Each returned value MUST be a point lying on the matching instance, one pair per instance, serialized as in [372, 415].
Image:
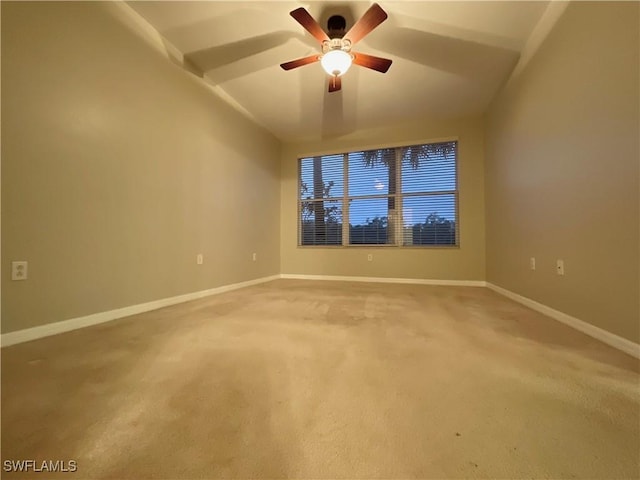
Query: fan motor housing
[336, 26]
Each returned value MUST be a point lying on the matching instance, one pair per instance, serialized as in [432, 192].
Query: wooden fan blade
[300, 62]
[306, 20]
[369, 61]
[370, 20]
[335, 84]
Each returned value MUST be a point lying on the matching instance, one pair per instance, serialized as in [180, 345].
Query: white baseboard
[49, 329]
[414, 281]
[34, 333]
[598, 333]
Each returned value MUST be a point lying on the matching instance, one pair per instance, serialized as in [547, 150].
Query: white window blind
[321, 200]
[403, 196]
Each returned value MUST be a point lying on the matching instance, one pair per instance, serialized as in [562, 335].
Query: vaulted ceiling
[449, 59]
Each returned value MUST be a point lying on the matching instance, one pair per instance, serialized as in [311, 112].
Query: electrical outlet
[199, 259]
[532, 263]
[370, 257]
[560, 267]
[19, 270]
[255, 257]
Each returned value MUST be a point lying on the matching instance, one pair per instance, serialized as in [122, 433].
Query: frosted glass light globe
[336, 62]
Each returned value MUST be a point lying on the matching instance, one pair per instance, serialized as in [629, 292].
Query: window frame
[345, 198]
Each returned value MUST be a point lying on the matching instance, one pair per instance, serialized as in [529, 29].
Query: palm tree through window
[404, 196]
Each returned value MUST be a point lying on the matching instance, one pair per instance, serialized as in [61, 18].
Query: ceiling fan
[336, 56]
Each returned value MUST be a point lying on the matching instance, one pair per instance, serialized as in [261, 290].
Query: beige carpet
[326, 380]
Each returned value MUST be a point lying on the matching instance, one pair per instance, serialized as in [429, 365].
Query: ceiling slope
[449, 59]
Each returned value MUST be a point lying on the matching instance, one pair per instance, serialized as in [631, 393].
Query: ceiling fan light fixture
[336, 62]
[336, 57]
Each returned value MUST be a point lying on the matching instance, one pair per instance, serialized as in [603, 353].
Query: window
[405, 196]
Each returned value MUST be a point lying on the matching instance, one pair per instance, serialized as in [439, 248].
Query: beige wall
[118, 168]
[464, 263]
[562, 171]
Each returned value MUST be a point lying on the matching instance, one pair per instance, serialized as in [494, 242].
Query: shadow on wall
[232, 118]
